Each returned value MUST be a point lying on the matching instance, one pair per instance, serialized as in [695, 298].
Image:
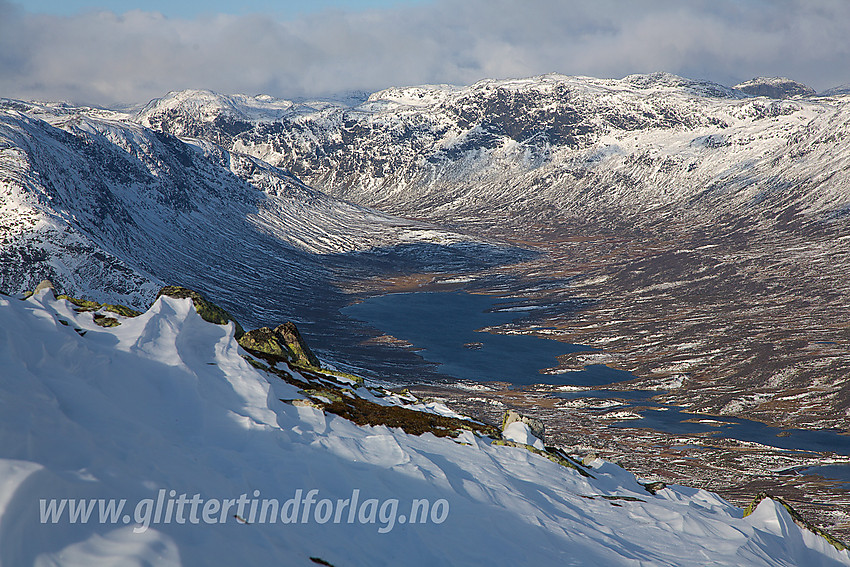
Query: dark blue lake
[443, 325]
[835, 472]
[673, 419]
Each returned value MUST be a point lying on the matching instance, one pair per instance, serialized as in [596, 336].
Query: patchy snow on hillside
[531, 146]
[165, 413]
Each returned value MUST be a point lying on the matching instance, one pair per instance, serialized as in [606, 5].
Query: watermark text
[304, 507]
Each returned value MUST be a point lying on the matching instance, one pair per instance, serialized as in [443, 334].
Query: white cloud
[105, 58]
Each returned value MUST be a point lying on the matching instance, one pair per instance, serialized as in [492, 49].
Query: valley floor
[732, 321]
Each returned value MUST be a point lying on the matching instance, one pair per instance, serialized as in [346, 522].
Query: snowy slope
[558, 146]
[167, 401]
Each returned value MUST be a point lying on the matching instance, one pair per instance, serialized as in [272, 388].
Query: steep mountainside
[105, 207]
[548, 147]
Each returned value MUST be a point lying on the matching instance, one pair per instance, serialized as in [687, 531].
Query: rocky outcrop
[266, 341]
[284, 341]
[293, 340]
[44, 284]
[535, 425]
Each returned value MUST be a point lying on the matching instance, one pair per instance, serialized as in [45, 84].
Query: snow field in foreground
[166, 402]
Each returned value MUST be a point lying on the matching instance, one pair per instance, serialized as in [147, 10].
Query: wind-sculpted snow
[166, 402]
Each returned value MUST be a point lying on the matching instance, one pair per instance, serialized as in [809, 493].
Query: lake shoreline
[596, 417]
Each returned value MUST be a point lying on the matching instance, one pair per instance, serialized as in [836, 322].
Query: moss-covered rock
[284, 342]
[267, 341]
[105, 321]
[208, 310]
[82, 304]
[86, 305]
[256, 363]
[121, 310]
[357, 380]
[288, 332]
[324, 395]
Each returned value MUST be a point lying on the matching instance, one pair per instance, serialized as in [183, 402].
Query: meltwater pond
[443, 325]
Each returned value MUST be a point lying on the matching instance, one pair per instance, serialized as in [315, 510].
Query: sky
[125, 52]
[195, 8]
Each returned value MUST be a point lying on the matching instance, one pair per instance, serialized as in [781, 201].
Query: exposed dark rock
[774, 87]
[267, 341]
[293, 340]
[122, 310]
[284, 343]
[364, 412]
[82, 304]
[105, 321]
[654, 487]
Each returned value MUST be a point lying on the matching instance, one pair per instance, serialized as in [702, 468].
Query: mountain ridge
[424, 144]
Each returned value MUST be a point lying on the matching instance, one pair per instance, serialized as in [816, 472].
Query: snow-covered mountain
[158, 440]
[125, 194]
[551, 146]
[105, 207]
[238, 196]
[707, 225]
[775, 87]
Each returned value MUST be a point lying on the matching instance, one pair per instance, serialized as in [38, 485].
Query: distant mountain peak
[699, 87]
[774, 87]
[840, 90]
[206, 106]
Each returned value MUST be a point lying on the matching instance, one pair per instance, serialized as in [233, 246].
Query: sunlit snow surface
[166, 401]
